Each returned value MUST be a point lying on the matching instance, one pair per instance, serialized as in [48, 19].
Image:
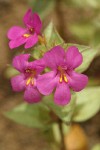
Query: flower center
[31, 31]
[30, 79]
[62, 75]
[26, 35]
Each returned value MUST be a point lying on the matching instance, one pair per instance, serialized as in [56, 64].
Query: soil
[14, 136]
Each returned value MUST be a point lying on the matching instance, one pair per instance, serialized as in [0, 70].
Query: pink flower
[62, 77]
[29, 35]
[27, 79]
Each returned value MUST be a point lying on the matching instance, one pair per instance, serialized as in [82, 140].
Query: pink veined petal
[31, 41]
[73, 57]
[20, 62]
[15, 32]
[28, 17]
[62, 94]
[37, 65]
[18, 83]
[32, 95]
[37, 24]
[17, 42]
[46, 83]
[77, 81]
[32, 20]
[54, 57]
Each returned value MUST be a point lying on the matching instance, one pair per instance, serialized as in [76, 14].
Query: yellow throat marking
[62, 76]
[26, 35]
[30, 80]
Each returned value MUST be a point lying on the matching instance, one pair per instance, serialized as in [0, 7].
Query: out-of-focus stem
[62, 136]
[58, 135]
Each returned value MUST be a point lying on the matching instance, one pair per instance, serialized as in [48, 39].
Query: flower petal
[46, 83]
[28, 17]
[18, 83]
[32, 95]
[37, 24]
[20, 62]
[31, 41]
[77, 81]
[62, 94]
[54, 57]
[32, 20]
[17, 42]
[15, 32]
[37, 65]
[73, 57]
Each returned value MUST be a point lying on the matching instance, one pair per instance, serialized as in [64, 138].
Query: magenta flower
[26, 81]
[62, 77]
[28, 35]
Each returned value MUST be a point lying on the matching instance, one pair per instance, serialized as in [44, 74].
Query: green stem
[62, 136]
[58, 135]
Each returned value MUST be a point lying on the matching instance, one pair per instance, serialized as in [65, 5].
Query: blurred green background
[77, 21]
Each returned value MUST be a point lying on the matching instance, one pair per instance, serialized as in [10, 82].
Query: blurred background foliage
[77, 21]
[85, 26]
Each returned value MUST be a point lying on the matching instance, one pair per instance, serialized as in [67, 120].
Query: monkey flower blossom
[29, 35]
[62, 77]
[26, 81]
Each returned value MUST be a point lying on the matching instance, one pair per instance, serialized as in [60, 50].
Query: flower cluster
[33, 79]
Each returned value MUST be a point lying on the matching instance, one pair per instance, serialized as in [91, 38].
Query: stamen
[28, 81]
[32, 82]
[65, 78]
[61, 79]
[32, 74]
[27, 70]
[62, 75]
[26, 35]
[31, 30]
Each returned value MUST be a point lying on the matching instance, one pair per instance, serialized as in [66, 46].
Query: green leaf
[34, 115]
[38, 51]
[10, 72]
[87, 53]
[88, 56]
[80, 47]
[96, 147]
[43, 7]
[63, 112]
[48, 31]
[52, 36]
[56, 38]
[87, 104]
